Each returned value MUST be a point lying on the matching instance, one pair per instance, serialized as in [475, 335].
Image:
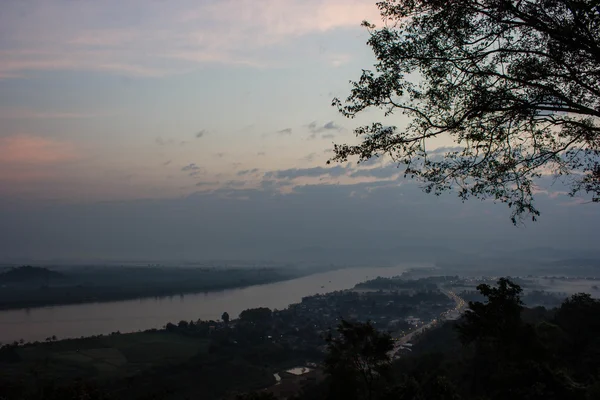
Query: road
[450, 314]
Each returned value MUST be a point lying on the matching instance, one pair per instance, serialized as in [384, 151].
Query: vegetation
[515, 84]
[357, 360]
[498, 350]
[29, 274]
[28, 287]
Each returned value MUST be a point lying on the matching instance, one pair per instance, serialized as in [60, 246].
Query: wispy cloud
[310, 157]
[294, 173]
[286, 131]
[190, 167]
[23, 113]
[201, 133]
[247, 172]
[207, 183]
[163, 142]
[162, 38]
[34, 150]
[316, 129]
[381, 173]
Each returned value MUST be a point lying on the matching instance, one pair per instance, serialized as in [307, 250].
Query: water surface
[78, 320]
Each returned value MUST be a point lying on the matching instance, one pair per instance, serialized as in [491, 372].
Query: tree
[258, 315]
[357, 360]
[578, 317]
[514, 84]
[171, 327]
[225, 317]
[183, 324]
[509, 357]
[498, 318]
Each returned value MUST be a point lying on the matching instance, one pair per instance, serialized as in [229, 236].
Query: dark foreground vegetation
[498, 350]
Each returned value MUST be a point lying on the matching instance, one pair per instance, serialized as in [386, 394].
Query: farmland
[104, 357]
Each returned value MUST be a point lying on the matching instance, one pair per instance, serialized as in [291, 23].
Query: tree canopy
[357, 360]
[515, 85]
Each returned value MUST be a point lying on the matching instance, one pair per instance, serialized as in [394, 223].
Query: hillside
[28, 274]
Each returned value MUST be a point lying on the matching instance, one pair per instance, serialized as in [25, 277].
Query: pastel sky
[106, 104]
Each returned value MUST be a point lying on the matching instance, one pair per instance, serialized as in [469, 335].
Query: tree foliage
[357, 360]
[515, 85]
[498, 318]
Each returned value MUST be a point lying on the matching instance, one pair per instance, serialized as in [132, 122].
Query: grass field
[105, 357]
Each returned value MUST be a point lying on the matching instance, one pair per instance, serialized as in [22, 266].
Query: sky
[200, 128]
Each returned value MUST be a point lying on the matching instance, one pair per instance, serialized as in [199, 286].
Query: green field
[105, 357]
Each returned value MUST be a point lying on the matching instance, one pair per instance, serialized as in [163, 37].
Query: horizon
[179, 131]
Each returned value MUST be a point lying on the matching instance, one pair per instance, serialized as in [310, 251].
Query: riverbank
[76, 320]
[110, 284]
[262, 348]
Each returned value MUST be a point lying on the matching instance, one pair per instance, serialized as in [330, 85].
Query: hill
[28, 274]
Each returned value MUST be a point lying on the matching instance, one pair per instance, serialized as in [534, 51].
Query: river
[71, 321]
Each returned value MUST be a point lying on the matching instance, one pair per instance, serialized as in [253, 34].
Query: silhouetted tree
[498, 318]
[579, 318]
[511, 358]
[357, 360]
[183, 324]
[170, 327]
[515, 84]
[256, 315]
[225, 317]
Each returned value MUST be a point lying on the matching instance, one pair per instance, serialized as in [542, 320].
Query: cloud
[190, 167]
[309, 157]
[219, 155]
[380, 173]
[167, 163]
[332, 126]
[261, 154]
[247, 172]
[163, 142]
[234, 183]
[205, 183]
[373, 161]
[201, 133]
[35, 150]
[316, 129]
[446, 149]
[162, 38]
[23, 113]
[294, 173]
[286, 131]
